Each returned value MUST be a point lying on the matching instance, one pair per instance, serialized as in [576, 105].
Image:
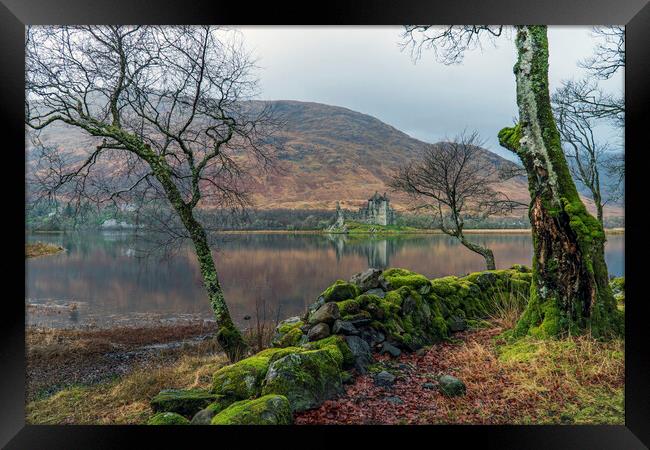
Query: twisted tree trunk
[485, 252]
[229, 337]
[570, 290]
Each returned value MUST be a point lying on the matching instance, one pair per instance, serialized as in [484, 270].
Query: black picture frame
[635, 14]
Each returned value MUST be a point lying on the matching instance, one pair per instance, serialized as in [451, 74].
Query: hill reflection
[117, 274]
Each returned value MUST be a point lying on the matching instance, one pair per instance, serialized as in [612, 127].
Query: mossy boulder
[397, 278]
[289, 333]
[349, 307]
[306, 379]
[291, 338]
[168, 418]
[340, 290]
[343, 357]
[185, 402]
[270, 409]
[204, 416]
[243, 380]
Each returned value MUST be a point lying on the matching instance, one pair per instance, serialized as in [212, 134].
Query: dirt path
[414, 398]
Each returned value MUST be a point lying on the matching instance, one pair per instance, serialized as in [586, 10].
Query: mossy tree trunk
[229, 337]
[485, 252]
[570, 291]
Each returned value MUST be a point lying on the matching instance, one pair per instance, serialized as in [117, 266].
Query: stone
[340, 290]
[375, 311]
[344, 327]
[372, 336]
[306, 379]
[389, 348]
[314, 306]
[486, 280]
[327, 313]
[368, 279]
[241, 380]
[361, 351]
[428, 385]
[270, 409]
[379, 292]
[457, 323]
[408, 305]
[451, 386]
[318, 331]
[185, 402]
[360, 319]
[385, 284]
[394, 400]
[168, 418]
[291, 338]
[384, 379]
[204, 416]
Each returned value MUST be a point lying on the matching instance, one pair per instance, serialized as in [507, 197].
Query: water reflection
[106, 273]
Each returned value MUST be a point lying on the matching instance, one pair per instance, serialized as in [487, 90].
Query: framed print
[327, 222]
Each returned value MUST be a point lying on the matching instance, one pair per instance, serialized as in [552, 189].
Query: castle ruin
[376, 212]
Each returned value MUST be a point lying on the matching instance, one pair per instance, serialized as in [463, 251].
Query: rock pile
[313, 355]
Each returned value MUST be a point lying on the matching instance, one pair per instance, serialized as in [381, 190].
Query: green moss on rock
[168, 418]
[340, 290]
[343, 355]
[306, 379]
[401, 277]
[267, 410]
[185, 402]
[349, 307]
[243, 379]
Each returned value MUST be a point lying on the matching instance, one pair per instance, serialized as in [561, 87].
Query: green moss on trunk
[569, 291]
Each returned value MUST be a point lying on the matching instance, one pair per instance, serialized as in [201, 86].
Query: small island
[34, 249]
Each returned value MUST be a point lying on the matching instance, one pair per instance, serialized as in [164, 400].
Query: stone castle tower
[378, 211]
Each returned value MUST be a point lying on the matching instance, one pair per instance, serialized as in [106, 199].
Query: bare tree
[570, 287]
[164, 114]
[609, 53]
[587, 101]
[587, 156]
[454, 180]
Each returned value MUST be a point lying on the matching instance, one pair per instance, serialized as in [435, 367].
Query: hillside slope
[329, 154]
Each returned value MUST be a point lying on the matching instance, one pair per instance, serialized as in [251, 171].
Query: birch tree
[570, 290]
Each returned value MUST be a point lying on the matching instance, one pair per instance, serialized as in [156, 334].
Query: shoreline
[59, 358]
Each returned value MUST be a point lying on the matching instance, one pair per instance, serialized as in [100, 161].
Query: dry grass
[57, 359]
[35, 249]
[506, 308]
[576, 380]
[125, 401]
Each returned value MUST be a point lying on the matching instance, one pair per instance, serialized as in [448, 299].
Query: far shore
[379, 233]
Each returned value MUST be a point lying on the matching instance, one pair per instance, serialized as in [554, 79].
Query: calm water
[109, 280]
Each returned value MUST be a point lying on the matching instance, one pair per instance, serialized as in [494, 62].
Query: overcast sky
[362, 68]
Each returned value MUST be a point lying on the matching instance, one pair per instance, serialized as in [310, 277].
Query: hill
[329, 154]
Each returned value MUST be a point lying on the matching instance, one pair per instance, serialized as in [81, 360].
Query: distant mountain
[331, 154]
